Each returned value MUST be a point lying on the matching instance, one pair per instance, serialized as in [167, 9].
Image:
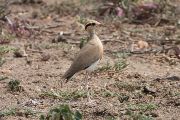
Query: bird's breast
[92, 67]
[100, 46]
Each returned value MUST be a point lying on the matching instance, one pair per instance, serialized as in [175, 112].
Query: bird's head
[90, 26]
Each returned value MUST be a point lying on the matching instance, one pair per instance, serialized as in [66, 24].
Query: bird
[89, 55]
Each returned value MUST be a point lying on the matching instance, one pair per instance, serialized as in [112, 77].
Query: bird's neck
[92, 33]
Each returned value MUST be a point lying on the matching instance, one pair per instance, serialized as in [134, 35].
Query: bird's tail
[67, 76]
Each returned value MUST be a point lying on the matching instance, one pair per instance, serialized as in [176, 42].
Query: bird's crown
[91, 23]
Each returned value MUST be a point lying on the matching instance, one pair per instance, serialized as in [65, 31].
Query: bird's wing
[89, 54]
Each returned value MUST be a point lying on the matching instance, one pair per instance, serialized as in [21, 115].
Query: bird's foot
[60, 83]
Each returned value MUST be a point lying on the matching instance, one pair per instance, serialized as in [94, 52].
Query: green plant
[120, 64]
[5, 49]
[2, 61]
[105, 67]
[82, 20]
[3, 9]
[62, 112]
[143, 107]
[6, 38]
[8, 112]
[143, 117]
[138, 111]
[14, 85]
[127, 86]
[108, 93]
[17, 112]
[65, 95]
[138, 116]
[83, 2]
[110, 118]
[176, 94]
[122, 55]
[3, 78]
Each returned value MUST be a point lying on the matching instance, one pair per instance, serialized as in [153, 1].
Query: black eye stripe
[93, 24]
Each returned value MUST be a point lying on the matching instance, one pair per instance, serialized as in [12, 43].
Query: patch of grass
[83, 2]
[2, 61]
[3, 78]
[119, 65]
[122, 55]
[177, 94]
[18, 112]
[81, 20]
[121, 96]
[62, 112]
[127, 86]
[65, 95]
[138, 111]
[138, 116]
[108, 93]
[14, 85]
[105, 67]
[6, 38]
[5, 49]
[110, 118]
[8, 112]
[143, 117]
[143, 107]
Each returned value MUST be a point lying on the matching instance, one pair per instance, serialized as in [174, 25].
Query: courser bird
[90, 54]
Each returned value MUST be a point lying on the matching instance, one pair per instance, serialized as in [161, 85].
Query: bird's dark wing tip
[66, 78]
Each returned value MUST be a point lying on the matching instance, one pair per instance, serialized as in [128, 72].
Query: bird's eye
[93, 24]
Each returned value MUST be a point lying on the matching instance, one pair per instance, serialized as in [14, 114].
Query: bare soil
[150, 79]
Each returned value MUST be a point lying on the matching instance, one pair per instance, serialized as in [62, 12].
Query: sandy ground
[116, 94]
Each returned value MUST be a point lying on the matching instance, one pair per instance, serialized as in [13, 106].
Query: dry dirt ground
[148, 87]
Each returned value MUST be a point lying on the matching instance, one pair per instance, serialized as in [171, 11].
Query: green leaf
[78, 115]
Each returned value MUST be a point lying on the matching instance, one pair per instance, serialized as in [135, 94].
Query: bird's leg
[87, 85]
[88, 89]
[60, 83]
[86, 80]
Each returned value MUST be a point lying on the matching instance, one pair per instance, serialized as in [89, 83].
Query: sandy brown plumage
[88, 55]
